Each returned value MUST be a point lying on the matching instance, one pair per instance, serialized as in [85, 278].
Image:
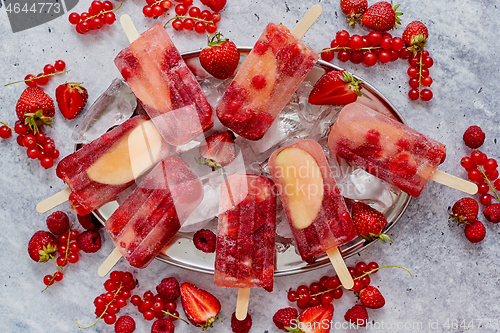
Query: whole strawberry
[41, 245]
[474, 137]
[371, 298]
[215, 5]
[357, 314]
[71, 97]
[35, 108]
[221, 57]
[369, 222]
[335, 88]
[475, 231]
[415, 36]
[492, 213]
[354, 10]
[382, 16]
[465, 211]
[285, 318]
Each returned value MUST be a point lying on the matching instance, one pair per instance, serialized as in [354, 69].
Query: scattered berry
[71, 98]
[357, 314]
[492, 213]
[41, 246]
[89, 222]
[162, 326]
[241, 326]
[58, 223]
[125, 324]
[89, 241]
[200, 306]
[204, 240]
[474, 137]
[371, 298]
[475, 232]
[168, 288]
[283, 318]
[465, 210]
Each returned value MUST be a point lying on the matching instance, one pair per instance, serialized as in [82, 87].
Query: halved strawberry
[316, 319]
[369, 222]
[219, 147]
[335, 88]
[200, 306]
[71, 97]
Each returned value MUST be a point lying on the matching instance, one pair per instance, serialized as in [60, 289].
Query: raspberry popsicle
[148, 219]
[245, 252]
[316, 211]
[268, 77]
[165, 86]
[102, 169]
[385, 148]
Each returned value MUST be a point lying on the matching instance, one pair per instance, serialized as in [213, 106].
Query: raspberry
[169, 288]
[283, 318]
[492, 213]
[241, 326]
[474, 137]
[162, 326]
[204, 240]
[357, 314]
[89, 222]
[58, 223]
[475, 232]
[125, 324]
[89, 241]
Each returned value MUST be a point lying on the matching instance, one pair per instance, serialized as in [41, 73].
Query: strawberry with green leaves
[354, 10]
[415, 36]
[41, 246]
[200, 306]
[335, 88]
[221, 58]
[35, 108]
[71, 97]
[369, 222]
[382, 16]
[464, 211]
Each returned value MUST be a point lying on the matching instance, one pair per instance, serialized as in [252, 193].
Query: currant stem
[104, 12]
[105, 309]
[1, 122]
[344, 48]
[489, 183]
[361, 276]
[37, 77]
[185, 16]
[168, 313]
[59, 268]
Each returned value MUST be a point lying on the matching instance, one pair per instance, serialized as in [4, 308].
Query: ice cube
[112, 108]
[206, 210]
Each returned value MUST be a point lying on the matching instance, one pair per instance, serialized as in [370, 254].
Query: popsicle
[245, 254]
[390, 150]
[277, 64]
[316, 211]
[148, 219]
[165, 86]
[100, 170]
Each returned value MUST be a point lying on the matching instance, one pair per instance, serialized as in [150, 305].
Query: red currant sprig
[480, 168]
[118, 290]
[155, 8]
[43, 78]
[154, 306]
[201, 24]
[99, 13]
[419, 76]
[39, 145]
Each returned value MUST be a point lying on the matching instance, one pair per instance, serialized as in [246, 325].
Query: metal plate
[182, 253]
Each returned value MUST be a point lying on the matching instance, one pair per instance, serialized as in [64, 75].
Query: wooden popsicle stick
[242, 303]
[454, 182]
[307, 21]
[340, 267]
[53, 201]
[109, 263]
[129, 28]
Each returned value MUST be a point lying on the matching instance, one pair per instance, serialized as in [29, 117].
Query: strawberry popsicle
[245, 237]
[165, 86]
[102, 169]
[148, 219]
[273, 70]
[316, 211]
[385, 148]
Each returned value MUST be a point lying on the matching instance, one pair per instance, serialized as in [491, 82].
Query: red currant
[61, 261]
[427, 62]
[206, 15]
[369, 59]
[358, 285]
[496, 184]
[412, 71]
[405, 53]
[326, 299]
[397, 43]
[343, 56]
[41, 79]
[361, 268]
[303, 303]
[83, 27]
[107, 5]
[413, 82]
[73, 258]
[33, 153]
[356, 57]
[177, 25]
[73, 235]
[478, 157]
[365, 280]
[121, 302]
[426, 81]
[216, 17]
[485, 199]
[372, 265]
[490, 164]
[492, 175]
[109, 318]
[386, 43]
[292, 296]
[483, 188]
[74, 18]
[109, 18]
[188, 24]
[60, 65]
[47, 280]
[97, 6]
[413, 94]
[100, 302]
[199, 27]
[96, 23]
[5, 132]
[29, 141]
[424, 72]
[149, 315]
[148, 12]
[194, 11]
[475, 175]
[426, 94]
[157, 10]
[136, 300]
[356, 42]
[327, 55]
[337, 293]
[374, 38]
[333, 282]
[342, 37]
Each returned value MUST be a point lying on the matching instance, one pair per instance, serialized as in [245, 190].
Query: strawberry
[357, 314]
[335, 88]
[221, 57]
[41, 245]
[475, 231]
[371, 298]
[35, 108]
[382, 16]
[369, 222]
[415, 36]
[215, 5]
[316, 319]
[492, 213]
[219, 147]
[465, 211]
[285, 318]
[354, 9]
[474, 137]
[200, 306]
[71, 97]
